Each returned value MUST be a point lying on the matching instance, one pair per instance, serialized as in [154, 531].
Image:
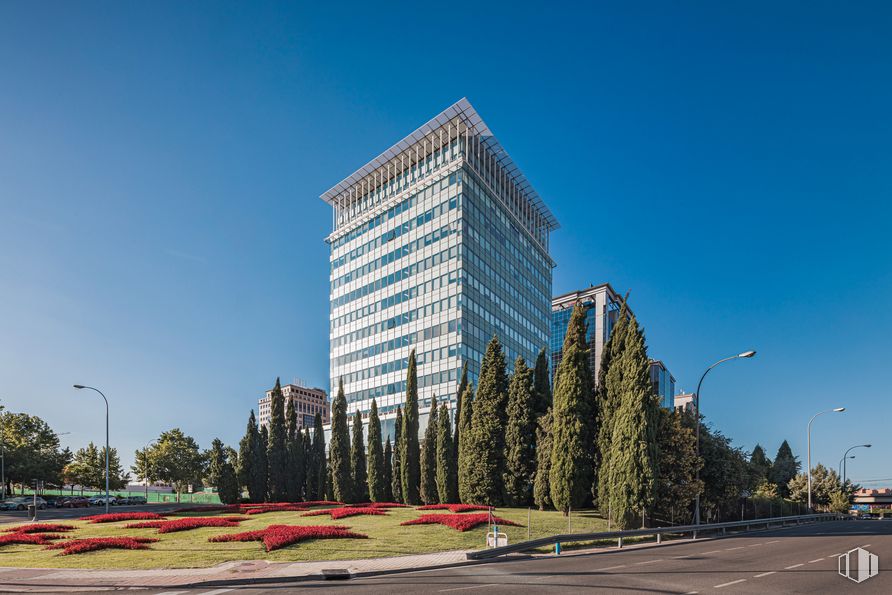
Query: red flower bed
[114, 517]
[377, 505]
[278, 536]
[344, 512]
[459, 522]
[454, 508]
[186, 524]
[40, 528]
[28, 538]
[90, 544]
[266, 509]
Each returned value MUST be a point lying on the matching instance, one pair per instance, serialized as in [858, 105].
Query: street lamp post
[842, 462]
[836, 410]
[745, 354]
[845, 456]
[81, 386]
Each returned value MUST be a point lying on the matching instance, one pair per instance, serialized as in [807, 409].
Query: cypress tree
[221, 474]
[410, 455]
[465, 456]
[247, 472]
[387, 480]
[293, 454]
[462, 385]
[396, 485]
[277, 454]
[541, 486]
[632, 468]
[311, 471]
[784, 468]
[520, 434]
[760, 466]
[262, 463]
[571, 474]
[377, 482]
[486, 438]
[607, 397]
[428, 488]
[447, 487]
[358, 462]
[323, 486]
[339, 450]
[541, 385]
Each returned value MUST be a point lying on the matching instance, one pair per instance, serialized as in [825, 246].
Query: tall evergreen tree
[465, 454]
[396, 484]
[311, 471]
[221, 474]
[784, 468]
[462, 385]
[447, 486]
[486, 440]
[323, 486]
[520, 434]
[428, 487]
[573, 431]
[293, 455]
[632, 469]
[358, 462]
[247, 470]
[262, 463]
[607, 402]
[541, 485]
[541, 385]
[760, 466]
[387, 479]
[277, 453]
[676, 486]
[378, 483]
[410, 452]
[339, 450]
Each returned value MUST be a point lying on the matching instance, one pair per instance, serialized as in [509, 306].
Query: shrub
[278, 536]
[27, 538]
[341, 513]
[90, 544]
[186, 524]
[40, 528]
[114, 517]
[454, 508]
[459, 522]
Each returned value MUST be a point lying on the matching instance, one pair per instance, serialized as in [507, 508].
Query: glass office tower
[439, 243]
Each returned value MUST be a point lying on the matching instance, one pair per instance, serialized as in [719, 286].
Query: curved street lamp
[81, 386]
[845, 456]
[745, 354]
[836, 410]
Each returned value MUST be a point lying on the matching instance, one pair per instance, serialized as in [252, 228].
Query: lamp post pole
[2, 456]
[81, 386]
[745, 354]
[842, 462]
[808, 441]
[845, 456]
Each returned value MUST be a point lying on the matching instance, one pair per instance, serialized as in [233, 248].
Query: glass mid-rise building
[438, 244]
[663, 383]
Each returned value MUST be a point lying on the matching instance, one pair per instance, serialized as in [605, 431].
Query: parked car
[22, 502]
[52, 501]
[75, 502]
[100, 501]
[134, 500]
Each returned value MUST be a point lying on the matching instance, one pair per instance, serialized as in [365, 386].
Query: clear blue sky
[161, 235]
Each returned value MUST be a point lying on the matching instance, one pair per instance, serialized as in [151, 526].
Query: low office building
[663, 383]
[307, 403]
[684, 402]
[871, 499]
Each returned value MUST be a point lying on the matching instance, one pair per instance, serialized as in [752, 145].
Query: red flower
[79, 546]
[265, 509]
[27, 538]
[459, 522]
[186, 524]
[114, 517]
[456, 508]
[344, 512]
[377, 505]
[40, 528]
[278, 536]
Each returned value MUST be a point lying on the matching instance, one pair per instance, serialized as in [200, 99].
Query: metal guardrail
[523, 546]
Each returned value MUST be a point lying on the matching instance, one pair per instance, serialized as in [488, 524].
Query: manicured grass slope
[386, 538]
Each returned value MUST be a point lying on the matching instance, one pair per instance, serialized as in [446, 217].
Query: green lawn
[190, 549]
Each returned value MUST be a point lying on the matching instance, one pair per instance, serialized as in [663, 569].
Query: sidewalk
[52, 579]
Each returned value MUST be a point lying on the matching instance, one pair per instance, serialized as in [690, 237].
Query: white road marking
[740, 580]
[866, 545]
[775, 541]
[647, 562]
[756, 544]
[834, 555]
[765, 574]
[611, 567]
[711, 552]
[691, 593]
[683, 556]
[171, 593]
[813, 561]
[468, 587]
[731, 549]
[216, 592]
[793, 566]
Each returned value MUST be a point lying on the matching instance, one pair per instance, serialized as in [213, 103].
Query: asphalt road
[794, 560]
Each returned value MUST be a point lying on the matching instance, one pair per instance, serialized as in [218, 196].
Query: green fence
[161, 497]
